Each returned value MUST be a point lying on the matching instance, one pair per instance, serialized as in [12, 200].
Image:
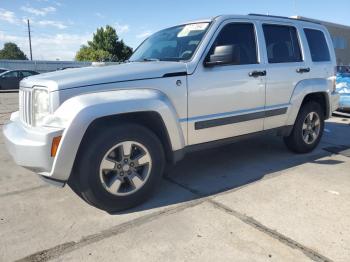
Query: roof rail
[285, 17]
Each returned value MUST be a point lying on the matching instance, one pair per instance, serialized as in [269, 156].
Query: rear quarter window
[318, 45]
[282, 44]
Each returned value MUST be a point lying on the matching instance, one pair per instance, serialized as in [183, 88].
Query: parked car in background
[2, 70]
[64, 68]
[11, 79]
[343, 87]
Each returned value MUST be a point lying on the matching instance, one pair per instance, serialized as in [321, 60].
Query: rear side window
[282, 44]
[318, 45]
[242, 38]
[27, 73]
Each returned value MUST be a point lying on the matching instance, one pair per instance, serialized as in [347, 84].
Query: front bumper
[30, 147]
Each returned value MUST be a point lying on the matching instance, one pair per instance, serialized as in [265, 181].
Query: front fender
[77, 113]
[304, 88]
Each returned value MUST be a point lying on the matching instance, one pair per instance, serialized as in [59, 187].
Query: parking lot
[249, 201]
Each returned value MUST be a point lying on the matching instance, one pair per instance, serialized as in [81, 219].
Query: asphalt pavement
[249, 201]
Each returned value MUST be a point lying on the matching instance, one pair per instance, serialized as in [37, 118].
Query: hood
[88, 76]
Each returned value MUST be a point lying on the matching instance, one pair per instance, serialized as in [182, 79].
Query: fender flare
[304, 88]
[77, 113]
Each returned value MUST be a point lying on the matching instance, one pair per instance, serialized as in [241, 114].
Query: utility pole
[30, 40]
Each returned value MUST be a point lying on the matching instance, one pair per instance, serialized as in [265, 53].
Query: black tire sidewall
[295, 141]
[88, 168]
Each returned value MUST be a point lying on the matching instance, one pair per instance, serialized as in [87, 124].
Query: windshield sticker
[191, 28]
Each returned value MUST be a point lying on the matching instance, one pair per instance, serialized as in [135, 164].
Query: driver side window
[241, 39]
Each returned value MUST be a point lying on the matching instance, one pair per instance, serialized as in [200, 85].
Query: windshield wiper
[150, 59]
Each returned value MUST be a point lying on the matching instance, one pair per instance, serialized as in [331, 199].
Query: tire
[101, 163]
[298, 141]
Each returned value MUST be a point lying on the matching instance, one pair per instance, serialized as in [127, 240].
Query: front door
[228, 100]
[10, 80]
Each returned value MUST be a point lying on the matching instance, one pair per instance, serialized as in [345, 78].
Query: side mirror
[223, 55]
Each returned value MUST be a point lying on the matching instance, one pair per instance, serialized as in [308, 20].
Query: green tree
[12, 51]
[105, 46]
[89, 54]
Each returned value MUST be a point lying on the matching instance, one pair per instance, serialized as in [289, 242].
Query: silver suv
[110, 131]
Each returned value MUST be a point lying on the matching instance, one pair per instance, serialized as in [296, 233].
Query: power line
[30, 40]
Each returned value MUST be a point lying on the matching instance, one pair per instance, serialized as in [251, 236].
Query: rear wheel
[308, 129]
[119, 168]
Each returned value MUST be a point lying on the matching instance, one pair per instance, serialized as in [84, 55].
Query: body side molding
[239, 118]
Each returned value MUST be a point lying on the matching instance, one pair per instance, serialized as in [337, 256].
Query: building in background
[341, 39]
[42, 66]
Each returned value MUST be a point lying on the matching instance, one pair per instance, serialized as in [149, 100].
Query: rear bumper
[334, 102]
[30, 147]
[344, 102]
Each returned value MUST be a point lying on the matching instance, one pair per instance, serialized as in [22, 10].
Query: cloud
[57, 3]
[39, 11]
[8, 16]
[57, 24]
[144, 34]
[121, 28]
[50, 1]
[49, 47]
[99, 15]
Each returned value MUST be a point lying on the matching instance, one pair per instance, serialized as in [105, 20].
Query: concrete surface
[249, 201]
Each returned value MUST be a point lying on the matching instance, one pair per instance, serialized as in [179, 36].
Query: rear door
[320, 55]
[285, 67]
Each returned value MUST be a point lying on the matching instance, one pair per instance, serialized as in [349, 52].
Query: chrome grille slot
[25, 106]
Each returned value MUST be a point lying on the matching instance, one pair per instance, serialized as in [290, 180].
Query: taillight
[334, 80]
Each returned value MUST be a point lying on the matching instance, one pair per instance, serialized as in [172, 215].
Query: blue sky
[59, 27]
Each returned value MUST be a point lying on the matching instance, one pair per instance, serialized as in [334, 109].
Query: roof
[223, 17]
[263, 17]
[326, 23]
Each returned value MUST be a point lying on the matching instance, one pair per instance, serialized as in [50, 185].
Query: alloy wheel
[125, 168]
[311, 128]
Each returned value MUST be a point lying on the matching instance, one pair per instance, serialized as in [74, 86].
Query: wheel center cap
[126, 167]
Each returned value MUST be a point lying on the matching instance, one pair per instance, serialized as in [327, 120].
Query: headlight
[41, 106]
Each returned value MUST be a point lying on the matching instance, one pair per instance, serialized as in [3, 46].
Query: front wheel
[308, 129]
[119, 168]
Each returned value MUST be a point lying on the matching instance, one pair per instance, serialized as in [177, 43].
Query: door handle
[257, 73]
[303, 70]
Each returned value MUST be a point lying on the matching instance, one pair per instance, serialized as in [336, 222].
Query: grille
[25, 106]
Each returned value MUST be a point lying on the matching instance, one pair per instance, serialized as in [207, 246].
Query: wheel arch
[321, 98]
[311, 89]
[149, 119]
[79, 114]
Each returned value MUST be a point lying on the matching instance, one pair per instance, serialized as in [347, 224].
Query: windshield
[172, 44]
